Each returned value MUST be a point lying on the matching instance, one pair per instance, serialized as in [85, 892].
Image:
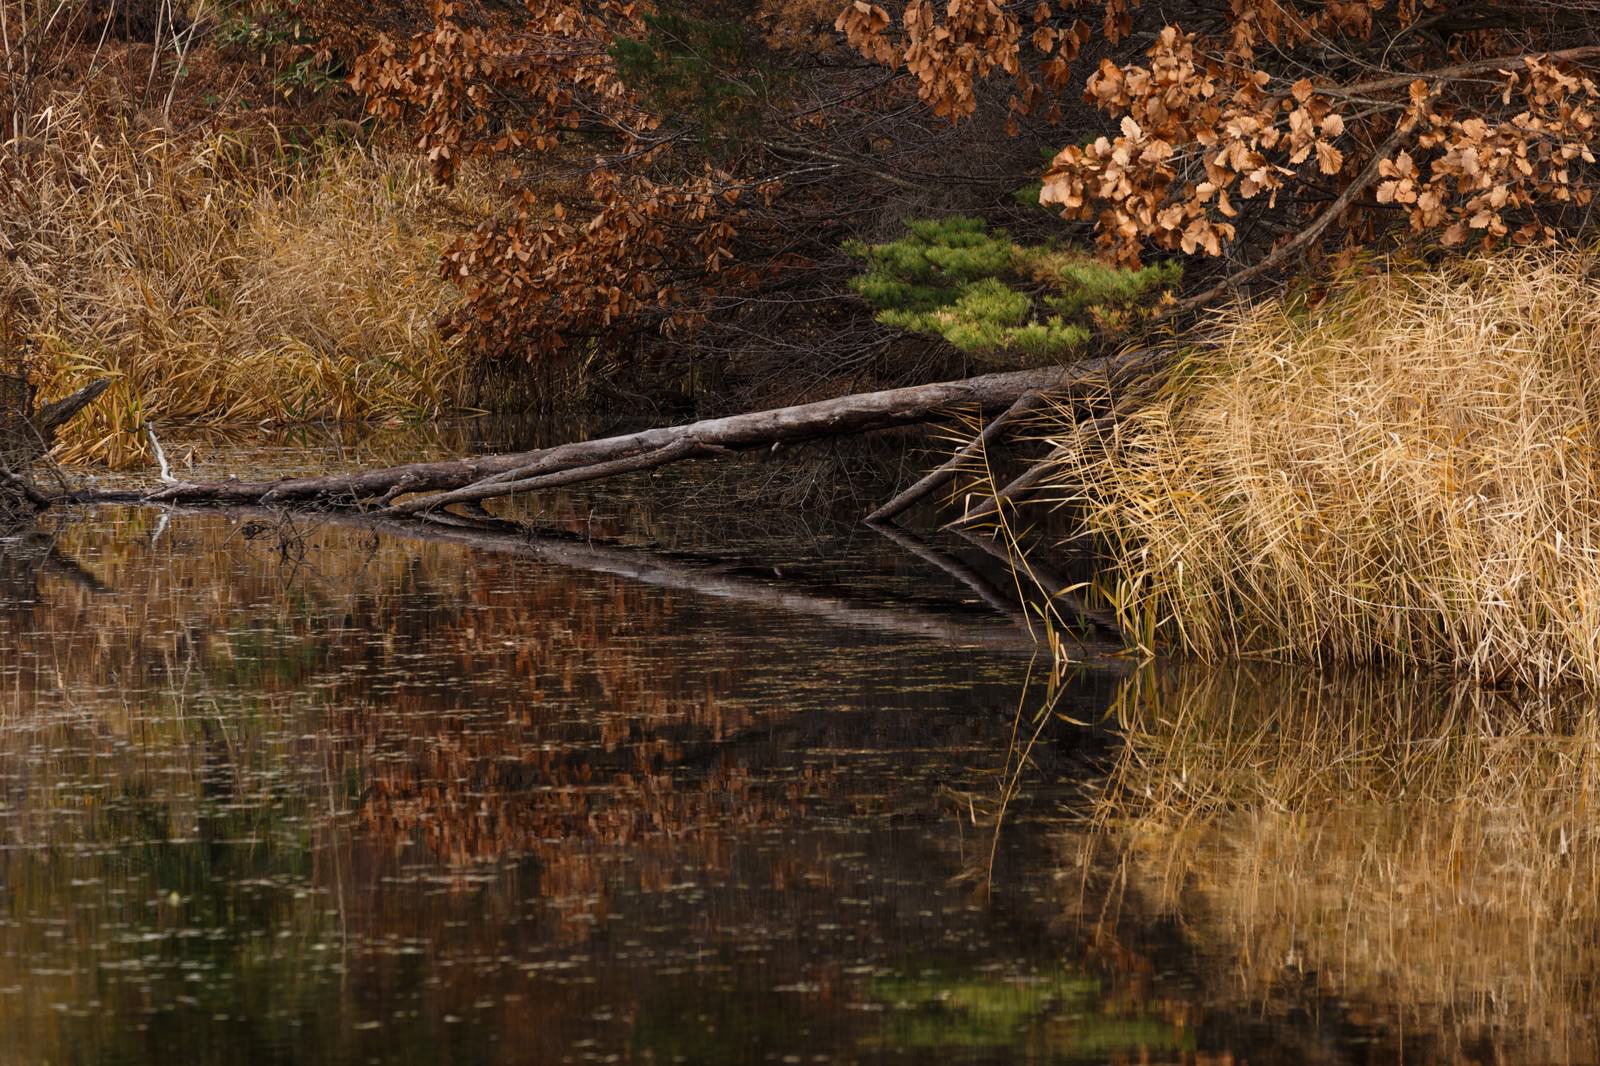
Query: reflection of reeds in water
[1387, 842]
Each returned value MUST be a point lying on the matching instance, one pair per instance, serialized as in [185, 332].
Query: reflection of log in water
[665, 570]
[27, 556]
[985, 589]
[1059, 593]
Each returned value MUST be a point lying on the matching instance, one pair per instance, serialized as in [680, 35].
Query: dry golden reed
[1404, 473]
[221, 278]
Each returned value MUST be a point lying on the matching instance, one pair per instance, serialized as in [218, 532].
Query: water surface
[306, 792]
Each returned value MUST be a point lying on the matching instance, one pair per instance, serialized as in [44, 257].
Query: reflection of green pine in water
[1060, 1015]
[1003, 304]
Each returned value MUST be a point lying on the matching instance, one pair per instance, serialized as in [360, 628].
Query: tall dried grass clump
[1404, 473]
[224, 278]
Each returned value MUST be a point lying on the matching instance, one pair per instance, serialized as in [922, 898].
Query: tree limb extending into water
[417, 489]
[26, 434]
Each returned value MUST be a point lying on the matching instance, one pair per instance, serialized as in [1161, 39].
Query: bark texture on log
[53, 416]
[25, 433]
[515, 481]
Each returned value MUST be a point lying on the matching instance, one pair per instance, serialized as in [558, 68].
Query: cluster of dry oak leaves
[1271, 120]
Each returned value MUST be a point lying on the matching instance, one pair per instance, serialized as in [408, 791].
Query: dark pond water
[314, 794]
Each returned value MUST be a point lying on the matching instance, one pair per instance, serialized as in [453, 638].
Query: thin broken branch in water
[936, 478]
[1023, 486]
[499, 475]
[161, 456]
[985, 589]
[1056, 589]
[1010, 493]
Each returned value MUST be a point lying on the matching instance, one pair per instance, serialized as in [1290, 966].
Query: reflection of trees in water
[484, 706]
[400, 777]
[1387, 851]
[286, 783]
[397, 762]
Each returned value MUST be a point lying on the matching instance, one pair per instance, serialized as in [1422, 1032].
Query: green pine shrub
[1003, 304]
[699, 71]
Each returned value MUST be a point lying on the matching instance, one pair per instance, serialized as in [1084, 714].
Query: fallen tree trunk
[531, 479]
[475, 479]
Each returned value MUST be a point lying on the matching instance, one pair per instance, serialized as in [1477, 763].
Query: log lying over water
[475, 479]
